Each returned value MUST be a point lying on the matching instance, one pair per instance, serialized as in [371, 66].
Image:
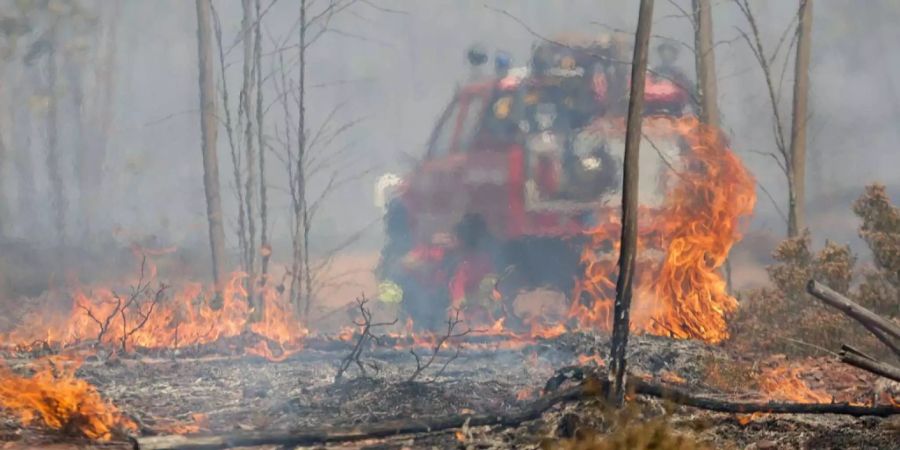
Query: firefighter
[667, 86]
[668, 55]
[473, 278]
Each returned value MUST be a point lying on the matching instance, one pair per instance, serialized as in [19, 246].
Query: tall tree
[707, 86]
[264, 246]
[208, 133]
[784, 156]
[51, 130]
[248, 24]
[301, 170]
[796, 211]
[628, 247]
[706, 63]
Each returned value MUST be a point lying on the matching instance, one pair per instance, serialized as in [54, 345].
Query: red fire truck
[518, 166]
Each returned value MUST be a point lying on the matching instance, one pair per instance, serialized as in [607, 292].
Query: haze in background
[395, 64]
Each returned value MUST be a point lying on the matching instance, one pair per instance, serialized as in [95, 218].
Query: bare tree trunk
[75, 82]
[797, 206]
[54, 173]
[706, 63]
[232, 144]
[265, 247]
[707, 85]
[301, 165]
[208, 133]
[250, 180]
[100, 117]
[621, 320]
[21, 129]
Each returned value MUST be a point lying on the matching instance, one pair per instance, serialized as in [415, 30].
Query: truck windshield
[443, 136]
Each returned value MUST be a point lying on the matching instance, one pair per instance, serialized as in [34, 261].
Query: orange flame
[60, 401]
[182, 319]
[678, 290]
[784, 383]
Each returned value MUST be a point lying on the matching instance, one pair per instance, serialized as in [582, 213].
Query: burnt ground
[222, 394]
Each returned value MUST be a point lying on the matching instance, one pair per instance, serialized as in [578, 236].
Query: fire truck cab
[528, 161]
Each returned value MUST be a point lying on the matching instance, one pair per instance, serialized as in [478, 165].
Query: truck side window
[443, 135]
[471, 122]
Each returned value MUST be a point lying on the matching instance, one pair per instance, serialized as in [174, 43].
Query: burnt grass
[225, 394]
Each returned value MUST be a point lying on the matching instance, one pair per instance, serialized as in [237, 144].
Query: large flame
[59, 400]
[679, 290]
[167, 319]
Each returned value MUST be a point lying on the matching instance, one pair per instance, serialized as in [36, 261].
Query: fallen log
[882, 328]
[870, 365]
[850, 349]
[593, 387]
[381, 430]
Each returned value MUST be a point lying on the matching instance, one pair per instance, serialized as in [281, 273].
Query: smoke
[394, 65]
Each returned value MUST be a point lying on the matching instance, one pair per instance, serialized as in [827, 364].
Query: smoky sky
[393, 65]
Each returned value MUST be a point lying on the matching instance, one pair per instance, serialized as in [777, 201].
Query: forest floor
[218, 394]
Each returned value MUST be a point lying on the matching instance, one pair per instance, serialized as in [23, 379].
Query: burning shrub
[58, 399]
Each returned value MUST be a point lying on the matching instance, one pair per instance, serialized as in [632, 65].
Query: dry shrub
[793, 268]
[728, 374]
[880, 288]
[762, 321]
[629, 431]
[787, 320]
[833, 266]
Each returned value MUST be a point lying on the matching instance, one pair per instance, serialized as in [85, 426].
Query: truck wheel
[539, 262]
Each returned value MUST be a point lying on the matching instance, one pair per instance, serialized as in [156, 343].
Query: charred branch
[452, 323]
[590, 388]
[883, 329]
[365, 337]
[870, 365]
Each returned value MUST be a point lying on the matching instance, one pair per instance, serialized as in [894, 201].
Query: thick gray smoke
[394, 64]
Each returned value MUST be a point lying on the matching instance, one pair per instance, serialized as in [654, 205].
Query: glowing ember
[586, 360]
[59, 400]
[678, 291]
[525, 393]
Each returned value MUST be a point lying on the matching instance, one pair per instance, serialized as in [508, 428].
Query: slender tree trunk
[250, 180]
[265, 247]
[234, 152]
[100, 117]
[621, 319]
[797, 207]
[301, 166]
[74, 80]
[707, 86]
[21, 130]
[209, 134]
[706, 63]
[54, 173]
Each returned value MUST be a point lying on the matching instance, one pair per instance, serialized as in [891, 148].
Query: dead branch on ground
[592, 387]
[365, 337]
[452, 323]
[883, 329]
[871, 365]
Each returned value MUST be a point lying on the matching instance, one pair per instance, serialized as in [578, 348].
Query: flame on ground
[678, 290]
[59, 400]
[154, 318]
[783, 383]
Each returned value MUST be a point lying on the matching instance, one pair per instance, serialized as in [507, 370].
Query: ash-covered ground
[217, 394]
